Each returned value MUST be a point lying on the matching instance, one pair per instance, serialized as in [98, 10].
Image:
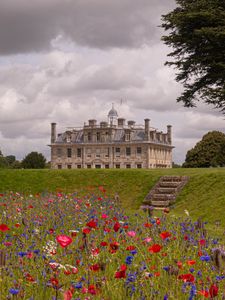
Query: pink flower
[64, 240]
[104, 216]
[148, 239]
[131, 233]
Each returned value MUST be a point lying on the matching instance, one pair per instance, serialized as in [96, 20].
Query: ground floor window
[117, 166]
[88, 166]
[69, 166]
[59, 166]
[106, 166]
[97, 166]
[128, 166]
[78, 166]
[139, 166]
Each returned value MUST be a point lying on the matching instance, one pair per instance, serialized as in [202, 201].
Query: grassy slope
[204, 195]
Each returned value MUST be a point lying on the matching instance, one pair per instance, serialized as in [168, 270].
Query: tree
[34, 160]
[209, 152]
[197, 36]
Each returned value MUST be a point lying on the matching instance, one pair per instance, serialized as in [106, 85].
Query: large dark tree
[34, 160]
[196, 32]
[209, 152]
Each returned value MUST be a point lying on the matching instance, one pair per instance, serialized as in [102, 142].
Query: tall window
[69, 152]
[98, 136]
[117, 151]
[98, 152]
[128, 151]
[127, 136]
[59, 152]
[78, 152]
[139, 150]
[89, 136]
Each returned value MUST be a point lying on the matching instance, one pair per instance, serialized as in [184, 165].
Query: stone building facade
[112, 144]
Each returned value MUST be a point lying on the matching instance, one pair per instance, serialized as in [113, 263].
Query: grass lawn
[204, 195]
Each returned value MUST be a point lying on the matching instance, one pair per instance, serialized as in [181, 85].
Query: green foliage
[3, 162]
[10, 159]
[34, 160]
[197, 36]
[209, 152]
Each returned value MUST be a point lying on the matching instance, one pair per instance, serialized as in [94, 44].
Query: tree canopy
[196, 32]
[209, 152]
[34, 160]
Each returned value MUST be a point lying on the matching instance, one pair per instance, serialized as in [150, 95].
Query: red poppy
[67, 272]
[86, 230]
[158, 222]
[103, 244]
[191, 262]
[54, 281]
[202, 242]
[92, 224]
[213, 290]
[95, 267]
[51, 230]
[155, 248]
[187, 277]
[64, 240]
[4, 227]
[113, 247]
[67, 295]
[92, 289]
[122, 272]
[147, 225]
[204, 293]
[116, 226]
[130, 248]
[165, 234]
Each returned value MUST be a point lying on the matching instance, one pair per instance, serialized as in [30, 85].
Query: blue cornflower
[166, 297]
[193, 292]
[133, 252]
[14, 291]
[205, 258]
[22, 254]
[192, 270]
[129, 260]
[220, 277]
[166, 268]
[37, 251]
[78, 285]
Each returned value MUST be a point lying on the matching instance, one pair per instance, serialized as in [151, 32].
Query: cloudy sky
[66, 61]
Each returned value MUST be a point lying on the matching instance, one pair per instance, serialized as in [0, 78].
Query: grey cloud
[27, 26]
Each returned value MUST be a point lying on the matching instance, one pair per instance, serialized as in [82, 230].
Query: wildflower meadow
[66, 246]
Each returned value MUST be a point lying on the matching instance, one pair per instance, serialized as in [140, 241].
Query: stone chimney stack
[131, 123]
[121, 122]
[147, 129]
[92, 123]
[169, 134]
[53, 133]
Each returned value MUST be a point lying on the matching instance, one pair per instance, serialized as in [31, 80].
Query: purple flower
[14, 291]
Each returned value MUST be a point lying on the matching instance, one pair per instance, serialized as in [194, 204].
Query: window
[106, 166]
[88, 152]
[117, 166]
[69, 166]
[139, 150]
[139, 166]
[69, 152]
[78, 166]
[78, 152]
[97, 166]
[127, 136]
[88, 166]
[59, 152]
[107, 152]
[59, 166]
[98, 153]
[98, 136]
[89, 136]
[117, 151]
[128, 166]
[128, 151]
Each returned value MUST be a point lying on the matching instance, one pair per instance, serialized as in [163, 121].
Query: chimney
[53, 133]
[169, 133]
[130, 123]
[147, 129]
[103, 124]
[121, 122]
[92, 123]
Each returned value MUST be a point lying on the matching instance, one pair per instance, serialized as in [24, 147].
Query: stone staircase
[164, 193]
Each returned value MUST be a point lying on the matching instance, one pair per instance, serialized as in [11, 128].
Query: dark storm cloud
[30, 26]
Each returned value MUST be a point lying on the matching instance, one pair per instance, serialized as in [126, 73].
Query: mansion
[112, 144]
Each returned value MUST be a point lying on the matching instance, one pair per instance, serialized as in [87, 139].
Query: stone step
[160, 203]
[163, 197]
[172, 178]
[169, 184]
[165, 190]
